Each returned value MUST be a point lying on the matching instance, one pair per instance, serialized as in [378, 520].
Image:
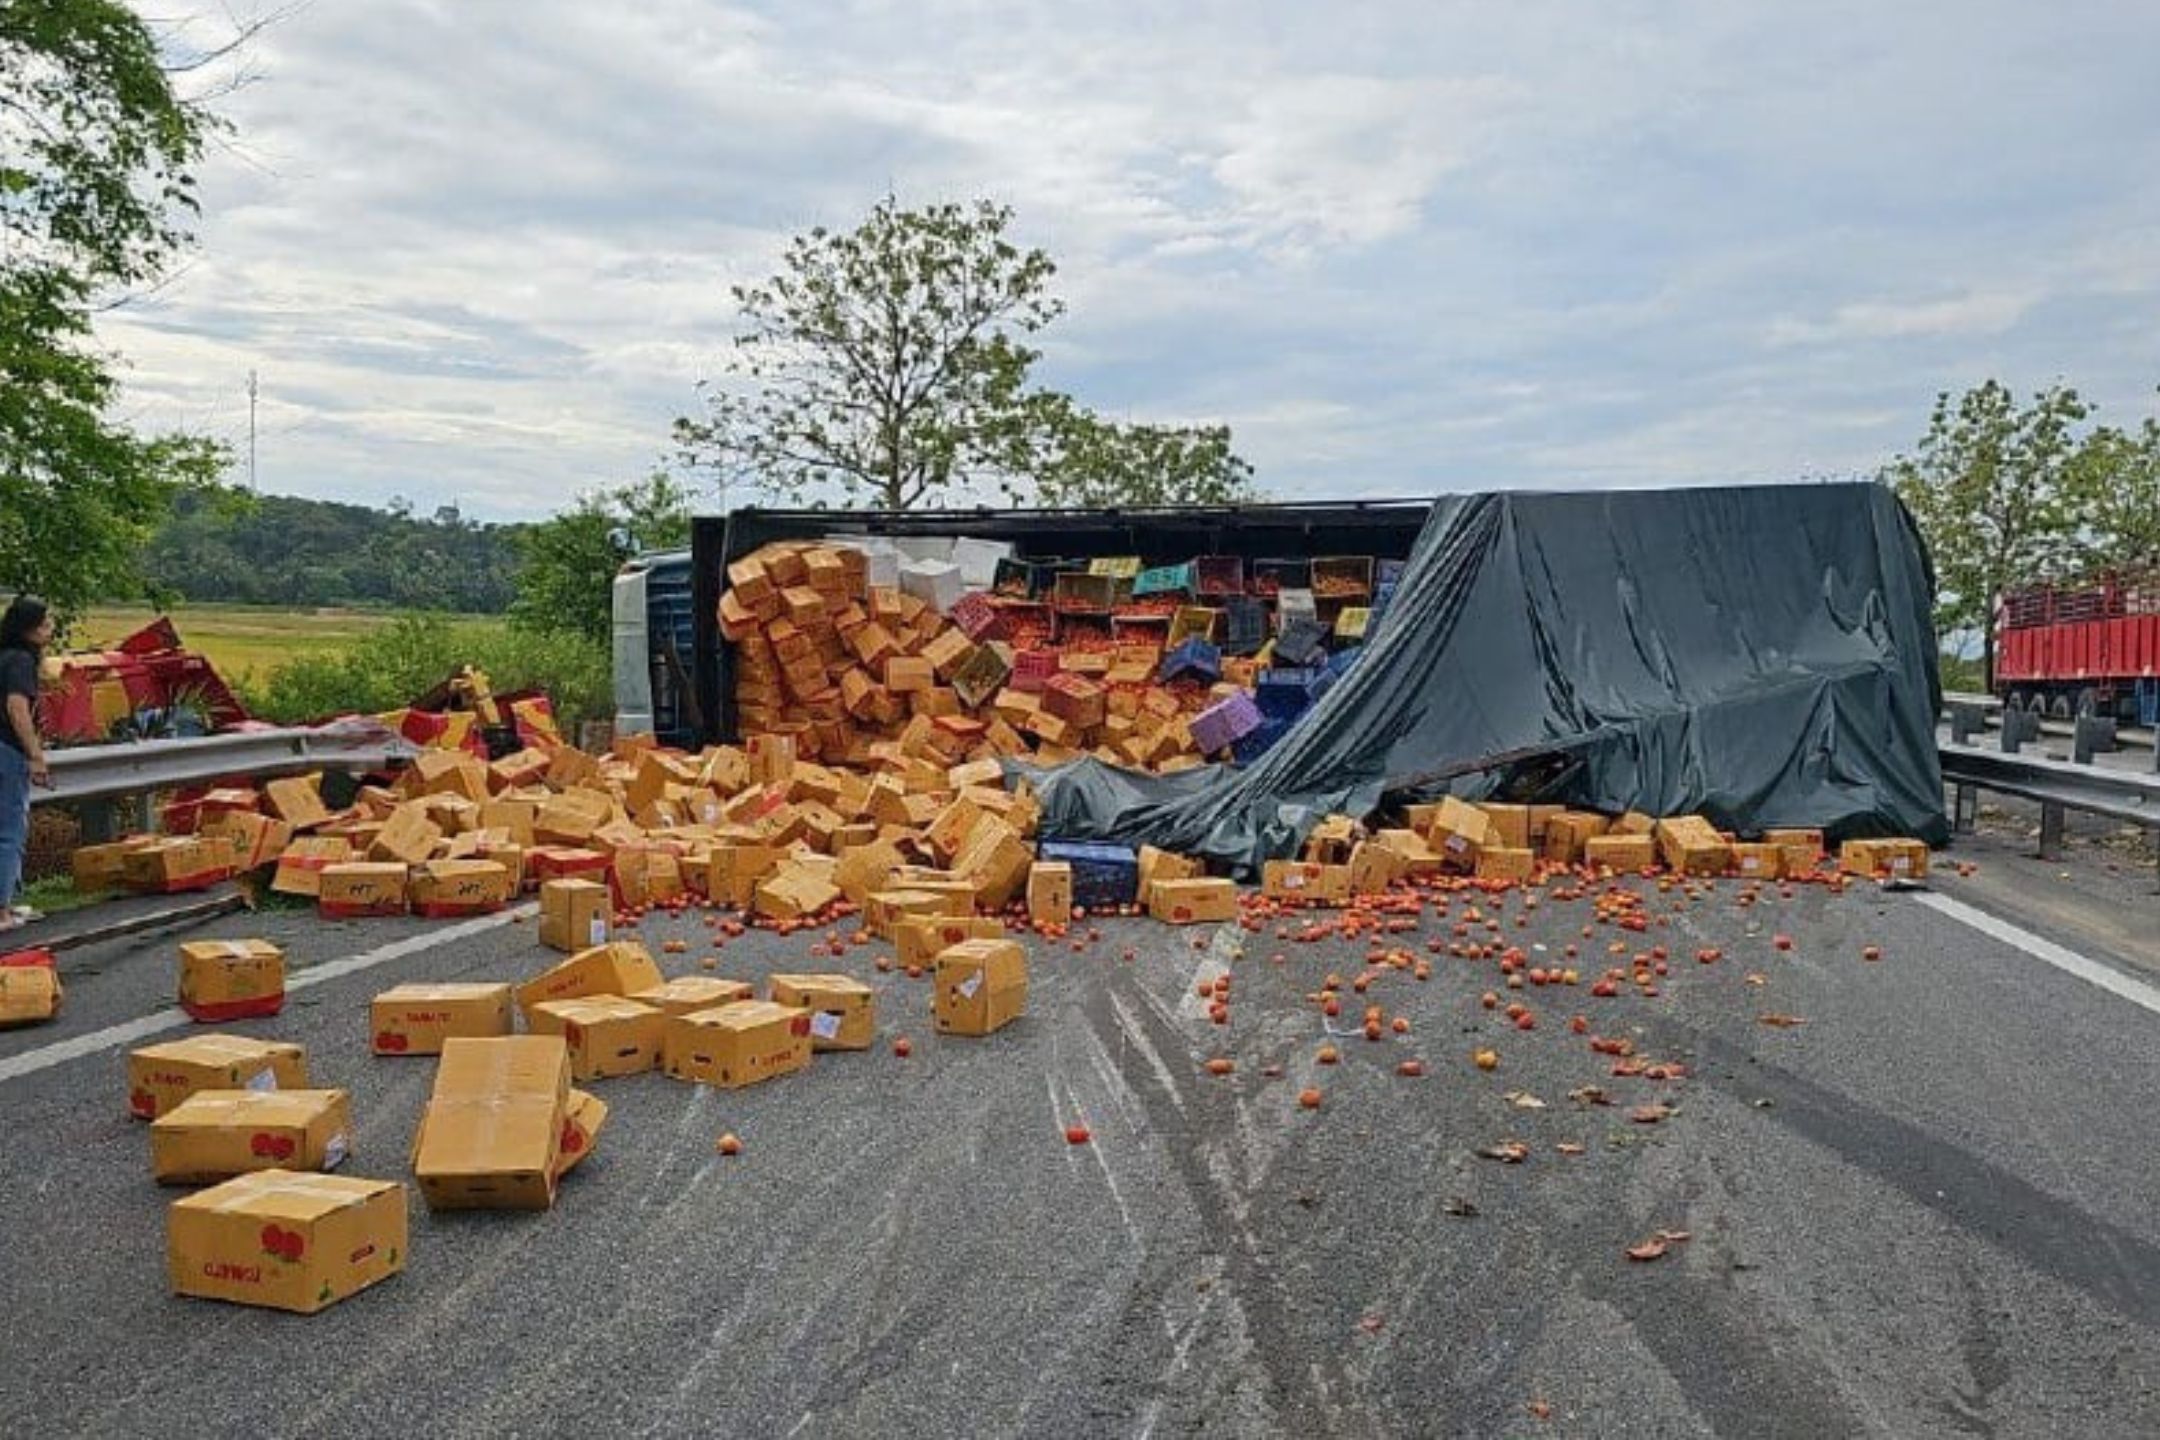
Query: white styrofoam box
[924, 547]
[937, 581]
[1296, 605]
[978, 560]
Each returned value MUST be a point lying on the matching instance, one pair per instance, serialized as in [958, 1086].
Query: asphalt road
[1926, 1211]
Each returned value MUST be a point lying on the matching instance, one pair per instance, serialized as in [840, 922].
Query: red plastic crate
[1032, 670]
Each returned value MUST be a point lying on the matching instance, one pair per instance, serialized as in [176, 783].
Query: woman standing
[25, 631]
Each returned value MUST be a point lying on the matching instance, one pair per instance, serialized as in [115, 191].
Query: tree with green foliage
[96, 192]
[1077, 460]
[890, 365]
[567, 565]
[1996, 489]
[2116, 481]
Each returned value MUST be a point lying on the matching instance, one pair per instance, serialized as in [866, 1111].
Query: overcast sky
[479, 251]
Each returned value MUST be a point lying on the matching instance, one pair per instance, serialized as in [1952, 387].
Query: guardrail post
[1964, 721]
[2094, 735]
[2018, 726]
[2051, 830]
[1964, 808]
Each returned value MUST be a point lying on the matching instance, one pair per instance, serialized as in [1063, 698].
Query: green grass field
[247, 640]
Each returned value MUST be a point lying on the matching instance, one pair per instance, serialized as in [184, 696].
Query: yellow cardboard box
[622, 967]
[297, 801]
[573, 914]
[886, 908]
[920, 938]
[981, 987]
[1631, 851]
[1163, 865]
[1193, 902]
[415, 1019]
[1304, 882]
[1050, 892]
[214, 1135]
[843, 1010]
[687, 994]
[491, 1136]
[29, 994]
[1885, 859]
[1567, 832]
[224, 980]
[462, 887]
[1758, 861]
[300, 867]
[286, 1240]
[1691, 845]
[1510, 822]
[361, 887]
[1505, 862]
[161, 1076]
[607, 1035]
[736, 1044]
[1459, 831]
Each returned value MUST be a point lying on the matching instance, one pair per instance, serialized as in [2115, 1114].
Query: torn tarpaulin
[1763, 655]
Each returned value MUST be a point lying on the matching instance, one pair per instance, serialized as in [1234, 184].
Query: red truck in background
[2088, 648]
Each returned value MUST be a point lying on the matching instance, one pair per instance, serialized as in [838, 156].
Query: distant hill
[282, 550]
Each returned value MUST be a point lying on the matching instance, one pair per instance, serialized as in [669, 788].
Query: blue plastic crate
[1101, 874]
[1302, 642]
[1287, 693]
[1249, 748]
[1195, 658]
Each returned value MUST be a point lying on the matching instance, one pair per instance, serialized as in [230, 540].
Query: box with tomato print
[216, 1134]
[159, 1077]
[415, 1019]
[738, 1044]
[606, 1035]
[223, 980]
[286, 1240]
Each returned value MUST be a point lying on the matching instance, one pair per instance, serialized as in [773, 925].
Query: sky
[478, 253]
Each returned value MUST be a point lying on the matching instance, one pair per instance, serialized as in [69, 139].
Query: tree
[1075, 460]
[2116, 481]
[95, 196]
[889, 364]
[567, 565]
[1995, 488]
[886, 362]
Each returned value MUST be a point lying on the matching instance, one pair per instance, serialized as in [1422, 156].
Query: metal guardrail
[102, 773]
[2056, 785]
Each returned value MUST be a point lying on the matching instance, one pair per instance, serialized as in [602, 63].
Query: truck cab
[654, 641]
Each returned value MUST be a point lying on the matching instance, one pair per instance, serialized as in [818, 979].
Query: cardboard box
[981, 987]
[688, 994]
[1411, 851]
[1304, 882]
[1374, 867]
[1050, 892]
[161, 1076]
[254, 840]
[1567, 832]
[223, 980]
[297, 801]
[1758, 861]
[1620, 851]
[886, 908]
[1505, 862]
[1691, 845]
[795, 892]
[516, 817]
[1510, 822]
[30, 994]
[584, 1113]
[300, 867]
[573, 914]
[286, 1240]
[1331, 841]
[415, 1019]
[407, 837]
[1885, 859]
[1634, 822]
[622, 968]
[97, 868]
[920, 938]
[606, 1035]
[441, 888]
[1459, 831]
[1803, 848]
[734, 869]
[214, 1135]
[177, 864]
[358, 888]
[491, 1136]
[843, 1010]
[1193, 902]
[1157, 865]
[737, 1044]
[995, 861]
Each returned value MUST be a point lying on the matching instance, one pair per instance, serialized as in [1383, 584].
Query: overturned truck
[1761, 655]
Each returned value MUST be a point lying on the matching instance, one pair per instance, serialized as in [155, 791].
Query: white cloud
[482, 252]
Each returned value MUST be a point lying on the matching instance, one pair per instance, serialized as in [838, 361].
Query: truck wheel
[2060, 707]
[2088, 703]
[2015, 700]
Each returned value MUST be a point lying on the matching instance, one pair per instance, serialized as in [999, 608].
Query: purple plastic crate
[1225, 722]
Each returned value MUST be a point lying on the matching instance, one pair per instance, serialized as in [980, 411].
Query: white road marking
[30, 1062]
[1214, 961]
[2137, 992]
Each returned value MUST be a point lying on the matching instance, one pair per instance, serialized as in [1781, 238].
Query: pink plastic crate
[1225, 722]
[1032, 670]
[976, 616]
